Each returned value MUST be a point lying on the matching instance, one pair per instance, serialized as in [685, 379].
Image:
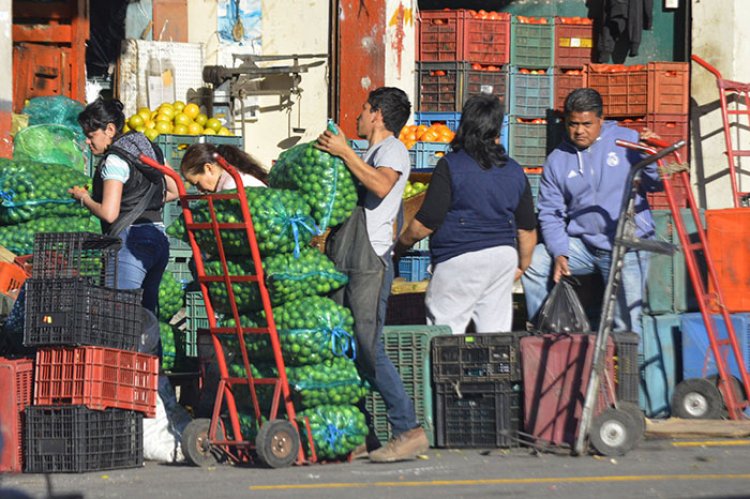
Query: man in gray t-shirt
[362, 248]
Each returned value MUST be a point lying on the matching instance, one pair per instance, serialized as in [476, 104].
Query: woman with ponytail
[200, 168]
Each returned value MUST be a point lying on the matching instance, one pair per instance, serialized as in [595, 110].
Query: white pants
[476, 285]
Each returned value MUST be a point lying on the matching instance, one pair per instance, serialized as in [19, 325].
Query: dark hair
[198, 155]
[584, 100]
[100, 113]
[479, 130]
[393, 104]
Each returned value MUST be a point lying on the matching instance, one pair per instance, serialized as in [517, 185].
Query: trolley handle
[707, 66]
[166, 171]
[655, 155]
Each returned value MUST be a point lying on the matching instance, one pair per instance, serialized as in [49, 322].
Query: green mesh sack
[55, 144]
[53, 109]
[291, 278]
[281, 219]
[332, 382]
[168, 348]
[31, 190]
[171, 296]
[323, 180]
[20, 238]
[336, 429]
[311, 330]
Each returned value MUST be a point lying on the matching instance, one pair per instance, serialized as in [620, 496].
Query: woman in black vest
[479, 212]
[127, 197]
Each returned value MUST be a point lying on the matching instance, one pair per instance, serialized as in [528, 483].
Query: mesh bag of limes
[323, 181]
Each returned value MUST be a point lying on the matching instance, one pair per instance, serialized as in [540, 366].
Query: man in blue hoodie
[580, 197]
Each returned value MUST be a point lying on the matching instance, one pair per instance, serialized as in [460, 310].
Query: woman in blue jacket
[479, 213]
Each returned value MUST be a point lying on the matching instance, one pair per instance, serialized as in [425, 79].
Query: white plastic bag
[161, 435]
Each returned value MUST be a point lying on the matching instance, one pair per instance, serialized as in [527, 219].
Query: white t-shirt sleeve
[115, 168]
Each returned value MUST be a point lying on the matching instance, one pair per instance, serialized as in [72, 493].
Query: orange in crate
[728, 234]
[97, 377]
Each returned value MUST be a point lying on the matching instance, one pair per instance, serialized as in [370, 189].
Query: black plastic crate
[76, 312]
[76, 254]
[478, 415]
[74, 439]
[406, 309]
[626, 366]
[481, 357]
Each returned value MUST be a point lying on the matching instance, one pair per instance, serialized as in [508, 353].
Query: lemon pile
[176, 118]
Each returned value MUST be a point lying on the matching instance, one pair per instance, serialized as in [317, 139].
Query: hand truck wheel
[697, 398]
[636, 413]
[277, 443]
[613, 432]
[196, 445]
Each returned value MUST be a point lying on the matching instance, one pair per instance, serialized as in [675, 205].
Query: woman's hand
[79, 193]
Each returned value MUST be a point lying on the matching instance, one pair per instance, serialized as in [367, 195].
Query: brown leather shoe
[403, 447]
[359, 452]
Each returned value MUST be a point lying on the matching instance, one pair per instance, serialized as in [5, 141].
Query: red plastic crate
[99, 378]
[624, 89]
[668, 87]
[728, 234]
[15, 385]
[457, 35]
[574, 42]
[635, 124]
[671, 128]
[556, 369]
[565, 81]
[12, 278]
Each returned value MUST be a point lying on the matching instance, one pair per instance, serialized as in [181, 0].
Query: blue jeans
[399, 406]
[582, 259]
[142, 260]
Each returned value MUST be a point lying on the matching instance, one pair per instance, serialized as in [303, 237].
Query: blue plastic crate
[427, 154]
[660, 363]
[534, 180]
[697, 358]
[360, 146]
[531, 95]
[451, 120]
[414, 267]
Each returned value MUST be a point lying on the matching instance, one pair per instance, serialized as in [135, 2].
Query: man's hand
[561, 268]
[647, 134]
[332, 143]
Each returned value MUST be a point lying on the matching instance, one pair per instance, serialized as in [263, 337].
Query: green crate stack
[408, 347]
[195, 318]
[179, 265]
[532, 45]
[668, 287]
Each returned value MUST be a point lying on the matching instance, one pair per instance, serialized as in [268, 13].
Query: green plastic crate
[532, 46]
[195, 318]
[179, 264]
[408, 347]
[668, 287]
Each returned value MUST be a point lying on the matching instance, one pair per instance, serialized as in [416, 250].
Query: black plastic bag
[563, 312]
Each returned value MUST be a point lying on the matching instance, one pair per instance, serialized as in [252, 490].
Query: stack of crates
[408, 347]
[478, 390]
[91, 387]
[654, 96]
[460, 54]
[668, 295]
[533, 129]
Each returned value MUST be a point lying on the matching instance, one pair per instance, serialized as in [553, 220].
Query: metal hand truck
[620, 426]
[204, 441]
[738, 95]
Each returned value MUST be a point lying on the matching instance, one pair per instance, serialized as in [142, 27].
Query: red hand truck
[608, 430]
[737, 95]
[205, 441]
